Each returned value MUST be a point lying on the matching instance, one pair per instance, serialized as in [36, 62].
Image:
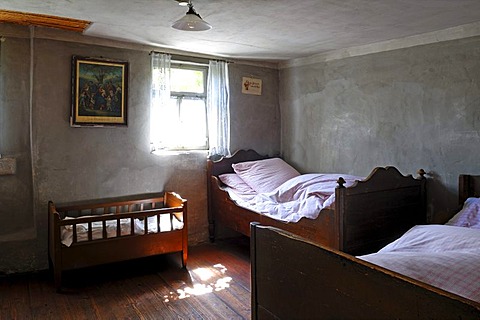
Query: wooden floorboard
[215, 285]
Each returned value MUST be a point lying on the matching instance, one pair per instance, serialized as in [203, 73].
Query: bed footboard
[292, 278]
[379, 209]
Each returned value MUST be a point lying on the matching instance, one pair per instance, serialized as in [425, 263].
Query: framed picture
[99, 92]
[252, 86]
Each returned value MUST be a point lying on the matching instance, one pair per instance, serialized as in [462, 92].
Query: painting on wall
[99, 92]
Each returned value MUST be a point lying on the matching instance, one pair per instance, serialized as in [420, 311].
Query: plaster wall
[15, 189]
[412, 108]
[255, 118]
[64, 164]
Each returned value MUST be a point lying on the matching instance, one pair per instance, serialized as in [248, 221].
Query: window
[179, 115]
[186, 116]
[189, 105]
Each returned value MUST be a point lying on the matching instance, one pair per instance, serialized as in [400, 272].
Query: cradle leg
[57, 277]
[184, 258]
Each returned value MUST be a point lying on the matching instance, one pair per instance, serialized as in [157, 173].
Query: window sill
[178, 152]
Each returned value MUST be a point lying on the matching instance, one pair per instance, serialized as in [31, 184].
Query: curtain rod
[180, 56]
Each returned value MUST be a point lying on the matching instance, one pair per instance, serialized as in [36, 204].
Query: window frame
[180, 95]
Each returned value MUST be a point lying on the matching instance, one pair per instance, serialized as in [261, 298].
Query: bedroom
[415, 106]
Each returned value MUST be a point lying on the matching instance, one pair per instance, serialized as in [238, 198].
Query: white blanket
[447, 257]
[300, 197]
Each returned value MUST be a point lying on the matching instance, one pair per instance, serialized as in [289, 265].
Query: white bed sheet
[111, 228]
[300, 197]
[444, 256]
[469, 216]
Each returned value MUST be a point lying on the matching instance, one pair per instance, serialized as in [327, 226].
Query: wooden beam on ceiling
[27, 19]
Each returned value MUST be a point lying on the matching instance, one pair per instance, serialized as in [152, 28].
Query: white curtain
[218, 109]
[160, 98]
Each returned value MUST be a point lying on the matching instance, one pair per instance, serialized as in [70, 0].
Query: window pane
[187, 80]
[185, 124]
[194, 123]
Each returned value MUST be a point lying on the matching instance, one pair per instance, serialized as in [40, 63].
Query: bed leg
[211, 231]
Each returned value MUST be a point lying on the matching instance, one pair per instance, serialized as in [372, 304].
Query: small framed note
[252, 86]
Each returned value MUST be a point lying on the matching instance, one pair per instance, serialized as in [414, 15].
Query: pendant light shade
[191, 21]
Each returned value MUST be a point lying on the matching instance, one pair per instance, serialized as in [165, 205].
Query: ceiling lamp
[183, 3]
[191, 21]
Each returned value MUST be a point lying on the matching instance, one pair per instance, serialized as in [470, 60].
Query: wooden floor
[215, 285]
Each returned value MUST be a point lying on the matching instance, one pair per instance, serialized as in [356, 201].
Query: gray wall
[255, 119]
[412, 108]
[71, 164]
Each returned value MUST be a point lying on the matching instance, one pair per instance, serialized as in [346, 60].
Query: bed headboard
[216, 167]
[468, 186]
[224, 164]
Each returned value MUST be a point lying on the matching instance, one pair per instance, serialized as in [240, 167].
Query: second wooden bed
[367, 215]
[293, 278]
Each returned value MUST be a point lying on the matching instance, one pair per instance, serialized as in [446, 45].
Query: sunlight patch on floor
[210, 281]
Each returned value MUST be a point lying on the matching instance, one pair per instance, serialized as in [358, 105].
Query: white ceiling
[268, 30]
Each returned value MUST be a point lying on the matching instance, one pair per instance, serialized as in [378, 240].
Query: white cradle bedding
[303, 196]
[444, 256]
[164, 225]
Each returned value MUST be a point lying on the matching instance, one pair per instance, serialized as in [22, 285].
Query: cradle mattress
[164, 225]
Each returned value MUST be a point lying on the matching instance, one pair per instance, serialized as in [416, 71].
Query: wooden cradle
[293, 278]
[367, 215]
[119, 247]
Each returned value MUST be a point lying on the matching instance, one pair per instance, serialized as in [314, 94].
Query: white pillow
[234, 181]
[265, 175]
[469, 216]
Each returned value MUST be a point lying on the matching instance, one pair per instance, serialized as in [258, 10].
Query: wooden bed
[115, 230]
[367, 215]
[293, 278]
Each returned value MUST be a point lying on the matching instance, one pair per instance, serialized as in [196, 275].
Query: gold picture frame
[99, 92]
